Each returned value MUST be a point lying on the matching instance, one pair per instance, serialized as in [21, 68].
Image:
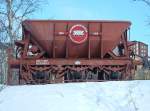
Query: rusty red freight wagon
[72, 50]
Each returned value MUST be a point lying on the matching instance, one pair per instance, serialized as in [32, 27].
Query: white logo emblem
[78, 32]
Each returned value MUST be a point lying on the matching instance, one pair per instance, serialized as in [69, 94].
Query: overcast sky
[136, 12]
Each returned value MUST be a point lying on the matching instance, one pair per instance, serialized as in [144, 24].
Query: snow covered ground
[102, 96]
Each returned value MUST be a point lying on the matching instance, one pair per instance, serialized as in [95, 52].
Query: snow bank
[102, 96]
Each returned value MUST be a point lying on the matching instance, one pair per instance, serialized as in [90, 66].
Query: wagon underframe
[62, 70]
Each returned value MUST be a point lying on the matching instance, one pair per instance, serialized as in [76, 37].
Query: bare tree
[12, 13]
[3, 64]
[145, 1]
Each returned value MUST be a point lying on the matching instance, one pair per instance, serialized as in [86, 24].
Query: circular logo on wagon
[78, 33]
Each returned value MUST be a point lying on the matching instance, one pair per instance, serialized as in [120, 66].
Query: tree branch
[145, 1]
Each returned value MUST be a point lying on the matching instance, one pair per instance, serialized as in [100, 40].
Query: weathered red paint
[59, 47]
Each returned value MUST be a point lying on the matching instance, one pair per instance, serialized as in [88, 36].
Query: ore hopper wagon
[53, 51]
